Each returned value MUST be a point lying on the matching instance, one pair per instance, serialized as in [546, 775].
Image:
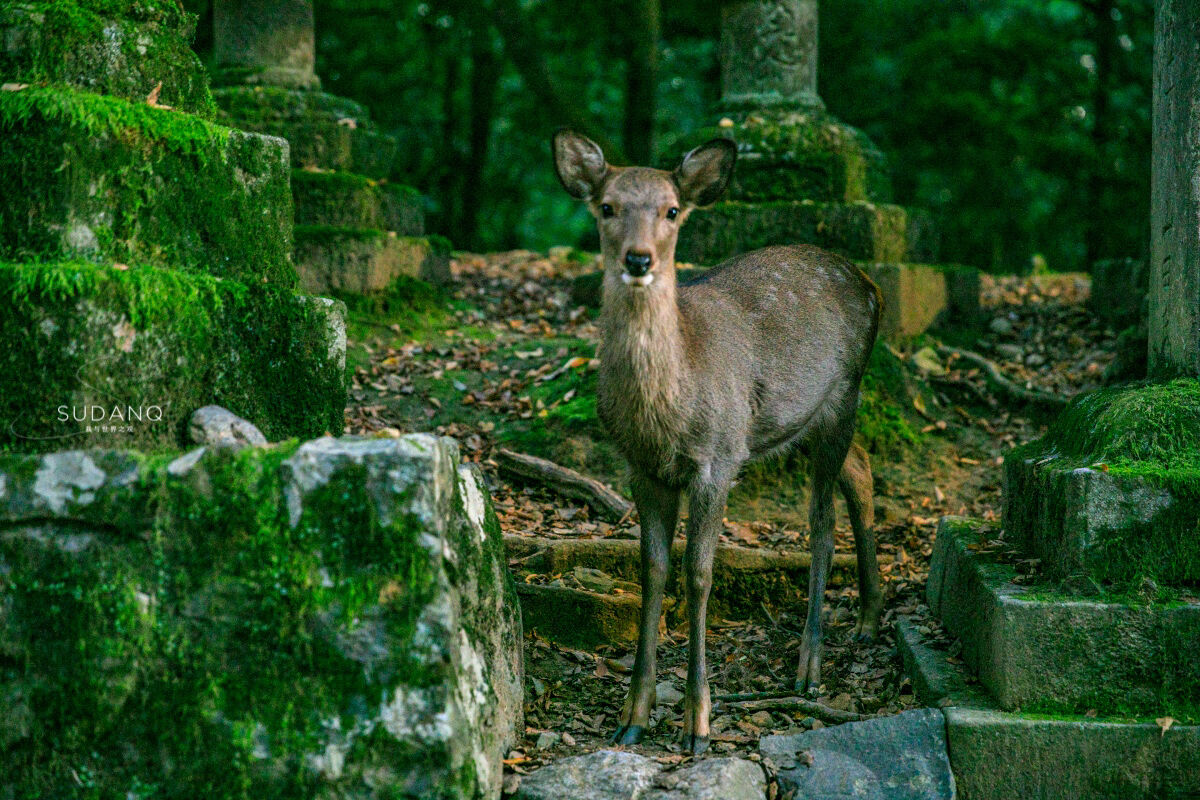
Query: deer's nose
[637, 264]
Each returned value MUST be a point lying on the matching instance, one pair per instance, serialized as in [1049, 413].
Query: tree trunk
[641, 82]
[485, 77]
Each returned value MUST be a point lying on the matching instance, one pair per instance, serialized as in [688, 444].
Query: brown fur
[764, 353]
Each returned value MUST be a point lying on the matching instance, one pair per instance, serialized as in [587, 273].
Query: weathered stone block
[579, 618]
[105, 48]
[1118, 293]
[269, 42]
[343, 199]
[106, 179]
[621, 775]
[914, 296]
[902, 757]
[325, 132]
[360, 261]
[121, 357]
[859, 231]
[1111, 492]
[999, 756]
[801, 155]
[1039, 651]
[325, 620]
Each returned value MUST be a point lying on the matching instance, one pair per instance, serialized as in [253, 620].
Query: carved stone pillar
[769, 54]
[267, 42]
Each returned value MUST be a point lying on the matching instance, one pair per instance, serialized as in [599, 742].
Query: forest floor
[505, 358]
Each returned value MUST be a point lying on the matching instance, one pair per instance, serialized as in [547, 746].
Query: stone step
[346, 199]
[106, 179]
[127, 56]
[1035, 649]
[1109, 494]
[623, 775]
[156, 344]
[365, 261]
[997, 755]
[859, 231]
[324, 131]
[744, 580]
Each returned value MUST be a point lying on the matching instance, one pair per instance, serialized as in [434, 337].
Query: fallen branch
[773, 701]
[566, 482]
[1005, 385]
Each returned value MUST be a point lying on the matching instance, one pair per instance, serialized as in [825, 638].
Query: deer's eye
[672, 212]
[606, 210]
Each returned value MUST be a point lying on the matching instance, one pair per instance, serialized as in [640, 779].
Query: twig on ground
[1004, 385]
[566, 482]
[776, 701]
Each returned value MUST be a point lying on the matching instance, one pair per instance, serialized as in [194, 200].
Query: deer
[762, 354]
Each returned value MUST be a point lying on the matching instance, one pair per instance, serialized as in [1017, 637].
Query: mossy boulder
[111, 180]
[364, 260]
[333, 619]
[344, 199]
[859, 231]
[801, 155]
[124, 49]
[122, 356]
[325, 132]
[1038, 650]
[1112, 492]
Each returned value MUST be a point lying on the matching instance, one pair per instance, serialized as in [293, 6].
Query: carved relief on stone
[769, 52]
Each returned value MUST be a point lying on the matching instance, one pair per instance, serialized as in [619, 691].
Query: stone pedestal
[804, 176]
[144, 251]
[356, 233]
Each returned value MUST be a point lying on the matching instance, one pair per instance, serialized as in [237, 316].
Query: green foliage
[884, 419]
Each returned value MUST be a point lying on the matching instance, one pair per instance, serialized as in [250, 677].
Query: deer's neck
[643, 365]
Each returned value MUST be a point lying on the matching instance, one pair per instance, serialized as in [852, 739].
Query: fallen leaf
[13, 87]
[1164, 724]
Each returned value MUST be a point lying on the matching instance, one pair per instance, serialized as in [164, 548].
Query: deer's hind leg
[857, 486]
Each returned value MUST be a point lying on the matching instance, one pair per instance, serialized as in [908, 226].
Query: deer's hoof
[803, 686]
[628, 734]
[695, 744]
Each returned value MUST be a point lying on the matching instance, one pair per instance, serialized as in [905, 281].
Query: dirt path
[508, 359]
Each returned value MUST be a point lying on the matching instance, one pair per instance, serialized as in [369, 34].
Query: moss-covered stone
[1040, 651]
[106, 179]
[349, 200]
[152, 345]
[801, 155]
[325, 132]
[859, 231]
[1113, 489]
[365, 261]
[123, 49]
[328, 620]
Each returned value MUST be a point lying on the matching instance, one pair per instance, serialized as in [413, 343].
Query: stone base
[328, 619]
[1111, 493]
[83, 340]
[325, 132]
[998, 755]
[124, 56]
[858, 231]
[785, 155]
[106, 179]
[346, 200]
[357, 261]
[914, 296]
[1038, 651]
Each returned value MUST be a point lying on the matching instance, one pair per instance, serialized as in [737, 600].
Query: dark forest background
[1024, 125]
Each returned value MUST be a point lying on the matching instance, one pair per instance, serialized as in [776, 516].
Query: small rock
[1001, 325]
[547, 739]
[216, 425]
[603, 775]
[927, 362]
[667, 694]
[568, 740]
[594, 580]
[762, 719]
[1010, 351]
[1035, 360]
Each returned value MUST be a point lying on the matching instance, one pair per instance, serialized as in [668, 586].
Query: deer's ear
[704, 173]
[579, 163]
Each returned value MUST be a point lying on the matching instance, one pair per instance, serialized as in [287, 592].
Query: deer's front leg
[658, 509]
[705, 513]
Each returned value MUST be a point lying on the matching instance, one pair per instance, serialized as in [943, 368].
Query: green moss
[117, 48]
[326, 233]
[81, 334]
[106, 179]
